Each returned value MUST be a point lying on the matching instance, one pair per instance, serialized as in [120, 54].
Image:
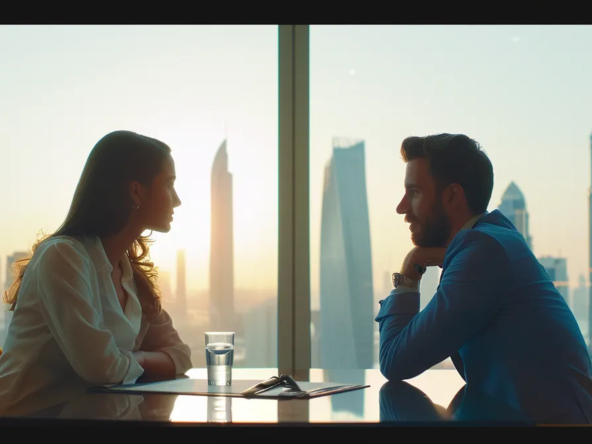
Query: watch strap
[403, 281]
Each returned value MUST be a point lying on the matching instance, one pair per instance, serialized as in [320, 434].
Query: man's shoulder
[477, 253]
[482, 234]
[490, 240]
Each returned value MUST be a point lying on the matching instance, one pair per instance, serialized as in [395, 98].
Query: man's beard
[435, 231]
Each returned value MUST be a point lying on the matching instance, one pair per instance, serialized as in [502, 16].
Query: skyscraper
[513, 206]
[347, 295]
[3, 310]
[590, 259]
[164, 283]
[260, 333]
[580, 296]
[557, 270]
[10, 261]
[8, 281]
[181, 291]
[221, 245]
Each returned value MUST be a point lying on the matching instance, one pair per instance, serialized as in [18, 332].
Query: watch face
[421, 270]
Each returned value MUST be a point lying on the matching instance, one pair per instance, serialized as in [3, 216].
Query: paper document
[188, 386]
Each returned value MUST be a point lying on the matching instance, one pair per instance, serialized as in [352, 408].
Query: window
[210, 93]
[523, 92]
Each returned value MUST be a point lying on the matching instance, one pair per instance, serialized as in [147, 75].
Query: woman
[86, 305]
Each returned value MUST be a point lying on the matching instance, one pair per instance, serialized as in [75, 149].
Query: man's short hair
[455, 158]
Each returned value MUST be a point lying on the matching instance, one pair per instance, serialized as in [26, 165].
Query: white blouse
[68, 331]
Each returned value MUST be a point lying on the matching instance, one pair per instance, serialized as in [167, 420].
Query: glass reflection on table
[220, 409]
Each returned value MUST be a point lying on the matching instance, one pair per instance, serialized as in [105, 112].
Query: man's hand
[426, 257]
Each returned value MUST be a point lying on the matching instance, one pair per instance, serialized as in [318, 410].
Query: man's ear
[454, 195]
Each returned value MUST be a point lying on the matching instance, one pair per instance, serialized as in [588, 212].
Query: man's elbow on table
[395, 367]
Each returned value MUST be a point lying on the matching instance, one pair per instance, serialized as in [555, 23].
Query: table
[424, 399]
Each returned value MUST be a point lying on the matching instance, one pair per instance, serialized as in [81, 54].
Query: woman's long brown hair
[102, 205]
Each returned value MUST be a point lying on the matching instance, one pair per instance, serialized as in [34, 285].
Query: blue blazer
[497, 314]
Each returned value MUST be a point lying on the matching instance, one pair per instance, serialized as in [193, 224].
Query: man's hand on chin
[424, 256]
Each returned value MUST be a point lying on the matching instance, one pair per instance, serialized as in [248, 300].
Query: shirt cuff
[134, 370]
[182, 360]
[402, 300]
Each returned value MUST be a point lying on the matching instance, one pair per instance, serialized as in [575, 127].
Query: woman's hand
[139, 355]
[156, 363]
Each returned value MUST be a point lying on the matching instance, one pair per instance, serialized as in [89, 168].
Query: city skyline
[384, 83]
[382, 88]
[521, 91]
[191, 101]
[513, 206]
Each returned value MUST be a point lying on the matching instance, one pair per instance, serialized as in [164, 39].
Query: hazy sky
[523, 92]
[64, 87]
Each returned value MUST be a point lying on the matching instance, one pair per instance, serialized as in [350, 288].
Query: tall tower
[590, 256]
[513, 206]
[556, 268]
[8, 281]
[347, 328]
[10, 261]
[222, 316]
[181, 296]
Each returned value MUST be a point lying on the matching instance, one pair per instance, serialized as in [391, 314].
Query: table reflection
[349, 404]
[106, 407]
[434, 397]
[103, 406]
[402, 402]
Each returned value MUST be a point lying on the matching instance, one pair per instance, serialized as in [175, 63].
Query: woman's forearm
[156, 363]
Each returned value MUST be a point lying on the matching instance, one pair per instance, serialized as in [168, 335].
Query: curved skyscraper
[347, 325]
[181, 296]
[513, 206]
[221, 245]
[590, 259]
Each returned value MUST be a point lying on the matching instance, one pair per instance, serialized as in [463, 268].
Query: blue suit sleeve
[473, 287]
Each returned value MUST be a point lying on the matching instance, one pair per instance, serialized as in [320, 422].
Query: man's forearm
[156, 363]
[396, 311]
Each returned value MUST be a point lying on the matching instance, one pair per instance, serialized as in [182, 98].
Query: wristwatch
[400, 280]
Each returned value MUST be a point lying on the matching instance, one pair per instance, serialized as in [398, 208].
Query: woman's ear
[135, 190]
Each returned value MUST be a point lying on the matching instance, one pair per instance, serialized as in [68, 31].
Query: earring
[137, 207]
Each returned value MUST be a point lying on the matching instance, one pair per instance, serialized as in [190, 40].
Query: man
[496, 312]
